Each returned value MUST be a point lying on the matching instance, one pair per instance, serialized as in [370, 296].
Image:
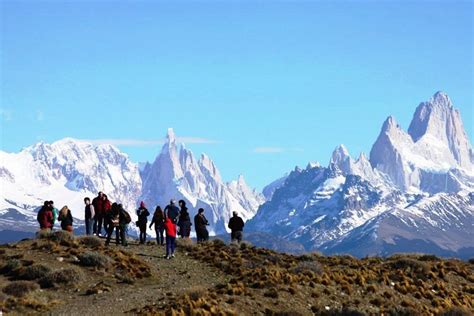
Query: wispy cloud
[6, 115]
[147, 142]
[275, 150]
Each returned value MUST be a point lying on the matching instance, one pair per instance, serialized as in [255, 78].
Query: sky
[259, 86]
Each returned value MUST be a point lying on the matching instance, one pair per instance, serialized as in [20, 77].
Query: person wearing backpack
[159, 221]
[89, 215]
[184, 221]
[143, 214]
[124, 220]
[65, 217]
[200, 223]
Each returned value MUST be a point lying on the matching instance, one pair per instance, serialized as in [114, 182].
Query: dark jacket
[172, 212]
[89, 211]
[236, 224]
[158, 220]
[200, 222]
[98, 205]
[142, 216]
[45, 217]
[66, 220]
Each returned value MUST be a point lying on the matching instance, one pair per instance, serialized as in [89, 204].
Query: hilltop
[60, 274]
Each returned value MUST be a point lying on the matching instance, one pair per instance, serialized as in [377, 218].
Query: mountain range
[413, 193]
[69, 170]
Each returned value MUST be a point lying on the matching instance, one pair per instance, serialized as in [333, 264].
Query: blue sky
[260, 86]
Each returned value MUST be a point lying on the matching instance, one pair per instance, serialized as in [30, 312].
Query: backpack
[126, 217]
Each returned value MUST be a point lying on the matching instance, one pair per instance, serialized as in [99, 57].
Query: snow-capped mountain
[68, 170]
[414, 190]
[177, 174]
[65, 171]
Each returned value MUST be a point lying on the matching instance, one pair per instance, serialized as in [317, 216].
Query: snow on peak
[170, 136]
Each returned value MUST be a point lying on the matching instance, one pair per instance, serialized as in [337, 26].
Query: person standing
[89, 215]
[142, 214]
[99, 214]
[65, 217]
[200, 223]
[184, 221]
[106, 208]
[55, 212]
[159, 221]
[45, 217]
[172, 211]
[236, 225]
[170, 229]
[113, 223]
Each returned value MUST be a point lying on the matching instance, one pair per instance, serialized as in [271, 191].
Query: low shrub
[34, 272]
[218, 242]
[409, 263]
[428, 258]
[245, 244]
[307, 266]
[196, 292]
[185, 243]
[455, 311]
[59, 236]
[20, 288]
[60, 277]
[91, 241]
[10, 266]
[93, 259]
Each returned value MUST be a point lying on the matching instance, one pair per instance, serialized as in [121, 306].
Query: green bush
[20, 288]
[60, 277]
[34, 272]
[91, 241]
[10, 266]
[93, 259]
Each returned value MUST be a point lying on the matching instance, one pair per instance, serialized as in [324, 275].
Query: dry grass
[90, 241]
[185, 243]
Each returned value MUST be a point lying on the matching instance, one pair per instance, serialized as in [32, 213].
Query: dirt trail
[170, 278]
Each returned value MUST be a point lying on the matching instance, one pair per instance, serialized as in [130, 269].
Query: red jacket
[98, 205]
[45, 218]
[170, 228]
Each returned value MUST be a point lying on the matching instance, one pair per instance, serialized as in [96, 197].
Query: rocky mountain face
[68, 170]
[177, 174]
[414, 194]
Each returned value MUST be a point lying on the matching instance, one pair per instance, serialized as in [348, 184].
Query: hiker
[172, 211]
[159, 221]
[170, 229]
[117, 219]
[106, 208]
[65, 217]
[236, 225]
[99, 214]
[45, 217]
[200, 223]
[55, 212]
[184, 221]
[89, 215]
[143, 214]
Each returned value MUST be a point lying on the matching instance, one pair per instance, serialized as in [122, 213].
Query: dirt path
[168, 277]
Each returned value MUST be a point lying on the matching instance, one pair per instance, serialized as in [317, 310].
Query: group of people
[170, 222]
[48, 215]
